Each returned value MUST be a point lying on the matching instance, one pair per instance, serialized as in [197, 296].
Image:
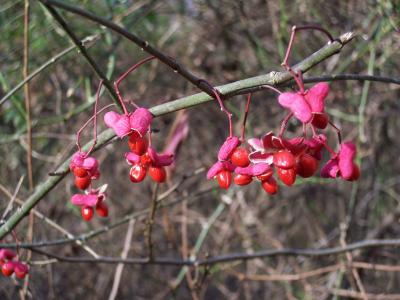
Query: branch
[169, 61]
[357, 77]
[172, 63]
[84, 52]
[230, 89]
[225, 258]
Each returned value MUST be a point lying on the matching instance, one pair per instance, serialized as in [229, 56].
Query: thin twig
[124, 254]
[12, 198]
[51, 223]
[227, 258]
[150, 221]
[172, 63]
[315, 272]
[94, 233]
[199, 242]
[357, 295]
[27, 94]
[86, 42]
[349, 258]
[83, 51]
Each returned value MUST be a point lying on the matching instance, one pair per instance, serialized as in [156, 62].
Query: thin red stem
[305, 130]
[330, 150]
[221, 104]
[272, 88]
[337, 131]
[96, 103]
[297, 76]
[123, 76]
[284, 124]
[225, 110]
[17, 242]
[94, 117]
[246, 112]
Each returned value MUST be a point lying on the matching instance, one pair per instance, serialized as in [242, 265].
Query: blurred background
[221, 41]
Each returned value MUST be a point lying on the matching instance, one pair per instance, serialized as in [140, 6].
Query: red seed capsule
[137, 173]
[224, 179]
[288, 176]
[284, 159]
[82, 182]
[306, 165]
[270, 186]
[241, 179]
[102, 209]
[158, 174]
[320, 120]
[87, 213]
[240, 157]
[138, 144]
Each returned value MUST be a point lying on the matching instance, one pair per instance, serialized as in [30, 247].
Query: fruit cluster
[85, 169]
[289, 158]
[10, 265]
[142, 156]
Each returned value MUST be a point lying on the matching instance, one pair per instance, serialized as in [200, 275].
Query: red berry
[288, 176]
[82, 182]
[284, 159]
[158, 174]
[320, 120]
[80, 172]
[145, 160]
[240, 157]
[270, 186]
[241, 179]
[306, 166]
[137, 173]
[138, 144]
[87, 212]
[8, 268]
[265, 176]
[224, 179]
[102, 209]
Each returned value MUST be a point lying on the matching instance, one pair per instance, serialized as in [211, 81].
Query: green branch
[228, 90]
